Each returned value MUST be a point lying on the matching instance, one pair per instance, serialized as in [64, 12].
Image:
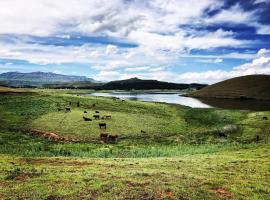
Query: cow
[96, 111]
[85, 111]
[102, 125]
[78, 104]
[265, 118]
[107, 116]
[93, 105]
[142, 131]
[68, 109]
[103, 137]
[87, 119]
[59, 109]
[96, 116]
[112, 138]
[257, 138]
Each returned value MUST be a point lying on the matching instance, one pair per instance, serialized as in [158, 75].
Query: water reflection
[156, 97]
[237, 104]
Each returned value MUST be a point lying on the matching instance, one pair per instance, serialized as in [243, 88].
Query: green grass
[241, 174]
[181, 155]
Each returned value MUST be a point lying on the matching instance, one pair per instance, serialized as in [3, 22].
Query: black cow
[68, 109]
[102, 125]
[96, 116]
[87, 119]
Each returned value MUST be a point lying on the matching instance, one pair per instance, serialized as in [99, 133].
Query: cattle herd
[105, 137]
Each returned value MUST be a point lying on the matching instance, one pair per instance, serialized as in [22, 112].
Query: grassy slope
[252, 86]
[186, 158]
[11, 90]
[241, 174]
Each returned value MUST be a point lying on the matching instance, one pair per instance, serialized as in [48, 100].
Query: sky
[195, 41]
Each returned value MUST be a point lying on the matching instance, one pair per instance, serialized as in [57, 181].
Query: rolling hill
[244, 87]
[139, 84]
[37, 79]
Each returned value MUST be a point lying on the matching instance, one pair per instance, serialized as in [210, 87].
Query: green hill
[139, 84]
[244, 87]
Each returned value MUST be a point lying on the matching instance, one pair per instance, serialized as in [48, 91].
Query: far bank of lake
[177, 98]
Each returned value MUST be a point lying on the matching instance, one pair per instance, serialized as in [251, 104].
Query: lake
[165, 97]
[176, 98]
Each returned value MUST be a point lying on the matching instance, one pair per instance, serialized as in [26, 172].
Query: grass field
[182, 153]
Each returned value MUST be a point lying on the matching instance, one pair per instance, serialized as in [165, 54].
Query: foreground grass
[183, 153]
[240, 174]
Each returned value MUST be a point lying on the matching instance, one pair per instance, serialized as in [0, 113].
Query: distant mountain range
[57, 81]
[244, 87]
[38, 79]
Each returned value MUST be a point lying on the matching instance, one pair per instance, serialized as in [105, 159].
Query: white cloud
[111, 49]
[216, 60]
[155, 26]
[259, 65]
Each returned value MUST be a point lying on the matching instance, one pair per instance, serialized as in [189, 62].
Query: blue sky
[170, 40]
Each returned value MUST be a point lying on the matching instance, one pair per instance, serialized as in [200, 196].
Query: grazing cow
[265, 118]
[78, 104]
[257, 138]
[123, 100]
[142, 131]
[96, 111]
[103, 136]
[68, 109]
[102, 118]
[85, 111]
[107, 116]
[102, 125]
[59, 109]
[87, 119]
[221, 134]
[96, 116]
[112, 138]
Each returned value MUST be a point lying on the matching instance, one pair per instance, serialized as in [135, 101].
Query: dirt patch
[56, 162]
[222, 192]
[52, 136]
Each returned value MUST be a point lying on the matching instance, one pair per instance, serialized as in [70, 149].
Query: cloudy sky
[201, 41]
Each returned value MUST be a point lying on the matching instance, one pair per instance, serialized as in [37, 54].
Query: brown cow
[112, 138]
[107, 116]
[102, 125]
[87, 119]
[103, 137]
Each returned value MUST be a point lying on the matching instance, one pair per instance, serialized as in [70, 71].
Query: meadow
[163, 151]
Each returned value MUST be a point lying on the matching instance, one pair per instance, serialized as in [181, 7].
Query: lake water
[176, 98]
[156, 97]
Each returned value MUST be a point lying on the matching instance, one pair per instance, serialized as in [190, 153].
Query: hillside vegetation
[139, 84]
[245, 87]
[163, 151]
